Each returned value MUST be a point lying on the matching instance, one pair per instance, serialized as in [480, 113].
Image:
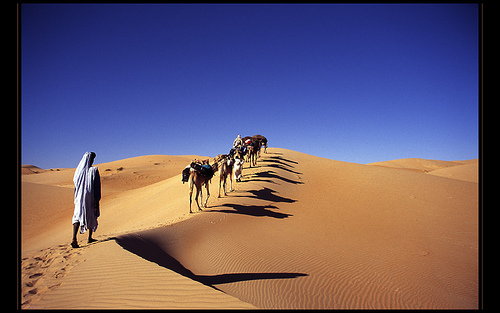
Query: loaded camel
[253, 148]
[199, 174]
[263, 142]
[199, 179]
[252, 154]
[225, 165]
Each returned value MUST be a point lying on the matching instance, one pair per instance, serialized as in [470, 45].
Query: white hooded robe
[87, 194]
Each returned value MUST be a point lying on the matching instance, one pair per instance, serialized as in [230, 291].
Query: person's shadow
[151, 252]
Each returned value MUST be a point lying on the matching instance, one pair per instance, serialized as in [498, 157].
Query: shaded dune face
[301, 231]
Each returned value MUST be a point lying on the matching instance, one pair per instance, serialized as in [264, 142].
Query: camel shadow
[271, 174]
[277, 161]
[151, 252]
[278, 158]
[253, 210]
[246, 180]
[279, 166]
[269, 195]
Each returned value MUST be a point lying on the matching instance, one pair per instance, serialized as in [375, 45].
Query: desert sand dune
[28, 169]
[299, 231]
[469, 171]
[48, 196]
[462, 170]
[110, 277]
[416, 164]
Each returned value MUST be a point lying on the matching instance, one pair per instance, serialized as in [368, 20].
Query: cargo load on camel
[204, 169]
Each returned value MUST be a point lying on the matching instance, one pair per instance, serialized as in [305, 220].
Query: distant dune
[461, 170]
[298, 232]
[30, 169]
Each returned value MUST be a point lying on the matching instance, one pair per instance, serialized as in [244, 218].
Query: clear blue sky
[358, 83]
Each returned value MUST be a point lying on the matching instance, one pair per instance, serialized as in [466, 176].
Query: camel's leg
[190, 193]
[231, 178]
[220, 182]
[190, 201]
[224, 179]
[196, 197]
[201, 195]
[208, 195]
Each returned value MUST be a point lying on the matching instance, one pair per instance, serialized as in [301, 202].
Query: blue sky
[359, 83]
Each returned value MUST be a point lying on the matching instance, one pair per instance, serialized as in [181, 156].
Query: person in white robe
[87, 195]
[238, 168]
[237, 142]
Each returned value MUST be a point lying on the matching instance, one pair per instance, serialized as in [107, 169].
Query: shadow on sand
[253, 210]
[280, 160]
[278, 163]
[279, 166]
[273, 175]
[151, 252]
[267, 194]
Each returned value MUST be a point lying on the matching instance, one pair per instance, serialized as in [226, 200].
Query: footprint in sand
[35, 275]
[39, 270]
[34, 282]
[38, 290]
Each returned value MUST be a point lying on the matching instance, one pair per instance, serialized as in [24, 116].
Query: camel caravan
[229, 166]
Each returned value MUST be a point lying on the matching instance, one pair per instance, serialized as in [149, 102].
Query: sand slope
[28, 169]
[48, 197]
[461, 170]
[468, 171]
[298, 232]
[139, 195]
[111, 277]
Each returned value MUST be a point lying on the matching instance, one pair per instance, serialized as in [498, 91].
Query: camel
[257, 141]
[251, 155]
[253, 150]
[262, 141]
[225, 170]
[199, 180]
